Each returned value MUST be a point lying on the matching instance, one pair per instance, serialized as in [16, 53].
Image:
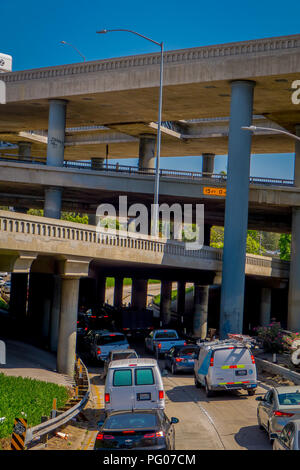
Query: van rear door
[122, 390]
[233, 366]
[145, 388]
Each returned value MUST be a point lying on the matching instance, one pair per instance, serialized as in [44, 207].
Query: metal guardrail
[128, 169]
[52, 424]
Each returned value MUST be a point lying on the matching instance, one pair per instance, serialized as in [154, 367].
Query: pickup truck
[160, 341]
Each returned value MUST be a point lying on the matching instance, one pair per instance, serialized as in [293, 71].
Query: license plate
[143, 396]
[241, 372]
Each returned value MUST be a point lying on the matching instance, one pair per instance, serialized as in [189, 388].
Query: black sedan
[136, 430]
[181, 358]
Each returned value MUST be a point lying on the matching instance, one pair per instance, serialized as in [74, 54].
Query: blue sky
[31, 32]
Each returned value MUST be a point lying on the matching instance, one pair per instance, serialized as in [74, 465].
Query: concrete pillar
[165, 302]
[181, 297]
[101, 286]
[147, 152]
[236, 209]
[208, 164]
[68, 326]
[201, 294]
[52, 207]
[207, 228]
[18, 295]
[139, 294]
[55, 154]
[118, 292]
[55, 312]
[265, 306]
[97, 163]
[293, 322]
[24, 150]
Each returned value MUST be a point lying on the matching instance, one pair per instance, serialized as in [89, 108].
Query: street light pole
[154, 230]
[67, 43]
[278, 131]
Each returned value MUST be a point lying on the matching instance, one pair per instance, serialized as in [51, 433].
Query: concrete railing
[134, 170]
[32, 233]
[243, 49]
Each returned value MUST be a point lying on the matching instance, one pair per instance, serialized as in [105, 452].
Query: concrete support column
[293, 322]
[68, 326]
[181, 297]
[147, 152]
[97, 163]
[165, 302]
[201, 294]
[207, 229]
[208, 164]
[24, 150]
[52, 207]
[55, 312]
[236, 209]
[139, 294]
[118, 292]
[55, 154]
[18, 295]
[265, 306]
[101, 287]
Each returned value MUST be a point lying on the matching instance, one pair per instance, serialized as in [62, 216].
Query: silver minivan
[133, 384]
[225, 365]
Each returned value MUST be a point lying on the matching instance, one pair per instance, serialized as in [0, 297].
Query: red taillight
[184, 344]
[232, 367]
[98, 350]
[93, 316]
[107, 398]
[252, 359]
[161, 394]
[211, 362]
[159, 345]
[154, 434]
[99, 436]
[112, 335]
[282, 413]
[128, 432]
[105, 316]
[178, 359]
[85, 329]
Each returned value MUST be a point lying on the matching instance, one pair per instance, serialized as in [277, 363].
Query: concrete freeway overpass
[243, 81]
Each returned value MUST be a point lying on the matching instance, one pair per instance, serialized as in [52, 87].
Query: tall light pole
[154, 229]
[67, 43]
[277, 131]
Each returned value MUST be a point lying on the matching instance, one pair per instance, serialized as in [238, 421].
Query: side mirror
[174, 420]
[273, 435]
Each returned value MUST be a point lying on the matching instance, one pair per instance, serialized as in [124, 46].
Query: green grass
[32, 397]
[156, 299]
[3, 304]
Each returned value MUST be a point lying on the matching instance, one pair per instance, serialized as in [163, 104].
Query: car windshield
[123, 355]
[131, 421]
[166, 335]
[292, 398]
[110, 339]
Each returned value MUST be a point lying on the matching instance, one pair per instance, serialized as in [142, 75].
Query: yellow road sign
[214, 191]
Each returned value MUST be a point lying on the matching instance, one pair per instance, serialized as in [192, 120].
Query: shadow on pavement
[252, 438]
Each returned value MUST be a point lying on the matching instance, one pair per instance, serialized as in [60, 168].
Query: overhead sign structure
[214, 191]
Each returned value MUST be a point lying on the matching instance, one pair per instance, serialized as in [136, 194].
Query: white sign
[2, 92]
[2, 353]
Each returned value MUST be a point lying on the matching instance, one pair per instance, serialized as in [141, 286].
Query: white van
[225, 365]
[133, 384]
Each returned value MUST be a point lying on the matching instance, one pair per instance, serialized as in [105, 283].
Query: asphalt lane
[224, 422]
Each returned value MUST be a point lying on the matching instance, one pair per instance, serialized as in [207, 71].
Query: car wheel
[197, 384]
[251, 393]
[209, 393]
[269, 434]
[173, 369]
